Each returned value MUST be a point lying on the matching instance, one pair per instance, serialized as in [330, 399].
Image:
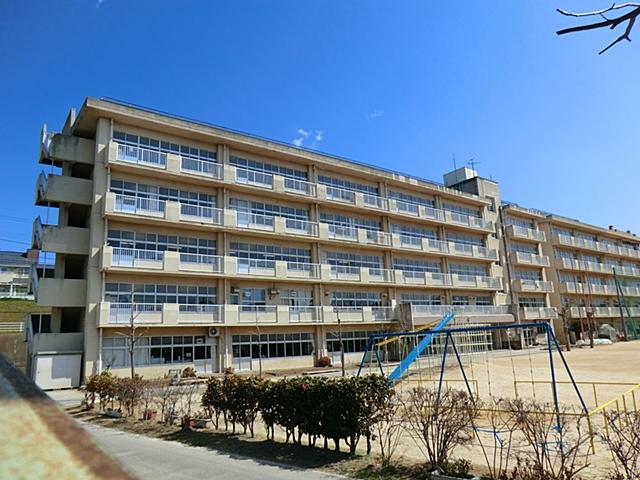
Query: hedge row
[329, 408]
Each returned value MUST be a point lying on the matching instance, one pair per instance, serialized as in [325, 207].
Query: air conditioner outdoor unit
[214, 332]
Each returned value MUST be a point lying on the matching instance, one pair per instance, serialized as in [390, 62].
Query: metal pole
[341, 344]
[444, 359]
[554, 387]
[620, 301]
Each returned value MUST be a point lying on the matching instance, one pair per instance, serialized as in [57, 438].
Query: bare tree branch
[629, 17]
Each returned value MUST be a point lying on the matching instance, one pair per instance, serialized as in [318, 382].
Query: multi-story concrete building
[15, 274]
[585, 261]
[225, 247]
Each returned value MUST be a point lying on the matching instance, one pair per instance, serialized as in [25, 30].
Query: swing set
[437, 343]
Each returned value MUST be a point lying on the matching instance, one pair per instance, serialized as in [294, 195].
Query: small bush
[323, 362]
[189, 372]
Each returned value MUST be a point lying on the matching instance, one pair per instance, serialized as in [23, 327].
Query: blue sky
[404, 85]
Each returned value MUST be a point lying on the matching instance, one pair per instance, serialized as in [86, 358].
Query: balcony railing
[252, 266]
[342, 232]
[300, 186]
[435, 310]
[202, 168]
[141, 155]
[381, 275]
[207, 314]
[378, 238]
[539, 313]
[210, 263]
[527, 258]
[130, 257]
[138, 205]
[303, 270]
[341, 194]
[302, 314]
[255, 221]
[529, 285]
[344, 272]
[123, 313]
[202, 213]
[252, 177]
[528, 233]
[301, 227]
[257, 313]
[375, 201]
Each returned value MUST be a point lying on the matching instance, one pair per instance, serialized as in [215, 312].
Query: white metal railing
[253, 266]
[123, 312]
[252, 177]
[410, 241]
[528, 233]
[303, 270]
[302, 314]
[303, 227]
[536, 313]
[202, 168]
[131, 204]
[255, 221]
[215, 215]
[257, 313]
[527, 284]
[433, 213]
[460, 309]
[381, 275]
[461, 248]
[215, 262]
[147, 156]
[408, 208]
[345, 272]
[375, 201]
[342, 231]
[42, 182]
[378, 237]
[300, 186]
[488, 253]
[125, 257]
[383, 314]
[532, 259]
[340, 194]
[189, 313]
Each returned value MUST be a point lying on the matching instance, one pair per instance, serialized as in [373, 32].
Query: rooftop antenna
[472, 163]
[455, 167]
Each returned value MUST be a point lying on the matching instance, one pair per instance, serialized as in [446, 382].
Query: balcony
[524, 258]
[201, 168]
[190, 262]
[477, 314]
[530, 286]
[515, 231]
[256, 179]
[52, 190]
[200, 314]
[584, 266]
[56, 148]
[538, 313]
[61, 292]
[60, 239]
[591, 289]
[598, 312]
[140, 155]
[200, 214]
[606, 247]
[148, 207]
[299, 187]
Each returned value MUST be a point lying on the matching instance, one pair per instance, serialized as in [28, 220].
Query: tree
[627, 13]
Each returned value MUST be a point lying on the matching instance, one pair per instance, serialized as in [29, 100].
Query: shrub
[622, 436]
[129, 391]
[189, 372]
[103, 385]
[213, 400]
[323, 362]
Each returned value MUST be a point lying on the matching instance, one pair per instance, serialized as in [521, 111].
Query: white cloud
[315, 136]
[99, 2]
[375, 114]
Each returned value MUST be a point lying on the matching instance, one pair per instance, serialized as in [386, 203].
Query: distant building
[15, 274]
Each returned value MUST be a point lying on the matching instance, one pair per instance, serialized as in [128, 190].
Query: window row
[141, 190]
[264, 167]
[155, 350]
[158, 294]
[162, 146]
[160, 242]
[272, 345]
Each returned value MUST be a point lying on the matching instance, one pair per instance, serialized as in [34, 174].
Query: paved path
[151, 459]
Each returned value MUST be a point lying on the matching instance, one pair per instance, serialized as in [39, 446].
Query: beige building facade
[228, 250]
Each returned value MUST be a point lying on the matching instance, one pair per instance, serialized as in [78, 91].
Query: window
[413, 199]
[296, 298]
[158, 294]
[523, 274]
[250, 296]
[531, 301]
[352, 341]
[421, 298]
[141, 190]
[565, 254]
[160, 242]
[272, 345]
[347, 185]
[586, 236]
[569, 278]
[560, 231]
[462, 300]
[519, 222]
[461, 210]
[269, 252]
[356, 299]
[155, 350]
[261, 208]
[166, 147]
[354, 260]
[589, 258]
[352, 222]
[524, 248]
[464, 239]
[468, 269]
[410, 265]
[264, 167]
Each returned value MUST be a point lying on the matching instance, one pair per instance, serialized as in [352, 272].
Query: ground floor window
[272, 345]
[352, 341]
[155, 350]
